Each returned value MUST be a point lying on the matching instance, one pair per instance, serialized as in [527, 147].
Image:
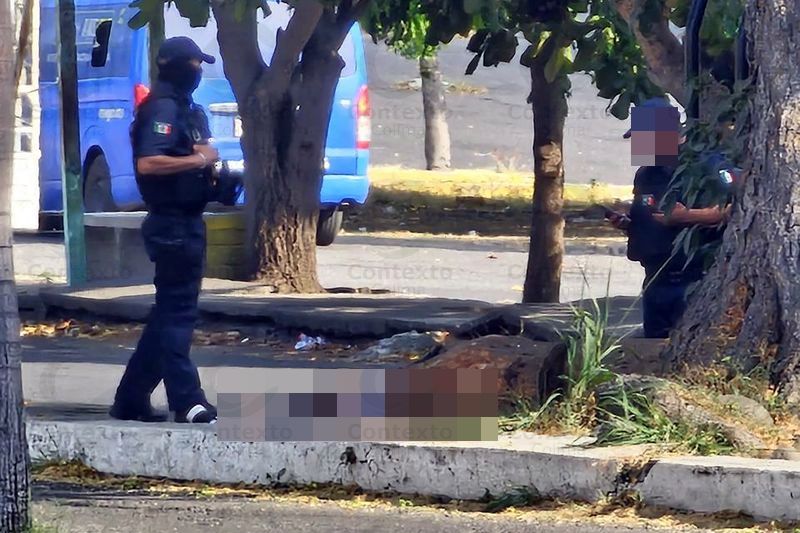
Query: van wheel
[97, 196]
[329, 226]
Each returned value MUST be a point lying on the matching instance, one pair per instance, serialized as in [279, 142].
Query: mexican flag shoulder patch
[162, 128]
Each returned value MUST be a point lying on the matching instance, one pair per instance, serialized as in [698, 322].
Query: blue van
[109, 94]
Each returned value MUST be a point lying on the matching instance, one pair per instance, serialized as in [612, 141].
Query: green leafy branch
[719, 140]
[197, 12]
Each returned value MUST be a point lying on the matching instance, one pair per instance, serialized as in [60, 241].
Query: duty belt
[173, 211]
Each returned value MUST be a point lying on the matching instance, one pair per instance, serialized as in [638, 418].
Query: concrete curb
[126, 310]
[765, 489]
[768, 489]
[333, 315]
[342, 315]
[455, 471]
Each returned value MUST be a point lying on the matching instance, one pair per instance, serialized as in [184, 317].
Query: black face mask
[184, 76]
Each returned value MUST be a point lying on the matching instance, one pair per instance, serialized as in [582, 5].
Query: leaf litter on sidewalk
[278, 344]
[609, 512]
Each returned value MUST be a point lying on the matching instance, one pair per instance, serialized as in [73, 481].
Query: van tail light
[140, 92]
[363, 119]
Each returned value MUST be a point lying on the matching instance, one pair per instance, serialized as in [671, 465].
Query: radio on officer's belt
[225, 183]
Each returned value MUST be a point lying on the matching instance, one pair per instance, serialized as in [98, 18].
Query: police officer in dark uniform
[652, 235]
[172, 161]
[650, 242]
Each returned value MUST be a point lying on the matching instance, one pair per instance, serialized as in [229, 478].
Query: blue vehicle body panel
[106, 96]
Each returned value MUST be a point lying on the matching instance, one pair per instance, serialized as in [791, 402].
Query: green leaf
[148, 9]
[477, 41]
[577, 30]
[606, 41]
[605, 79]
[532, 32]
[473, 64]
[689, 239]
[197, 11]
[138, 21]
[680, 14]
[504, 43]
[473, 6]
[265, 9]
[586, 53]
[621, 108]
[579, 6]
[501, 47]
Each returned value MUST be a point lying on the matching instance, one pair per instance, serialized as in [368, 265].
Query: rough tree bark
[14, 460]
[437, 133]
[662, 50]
[24, 41]
[748, 306]
[285, 111]
[546, 253]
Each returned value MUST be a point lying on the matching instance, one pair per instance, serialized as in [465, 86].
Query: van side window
[101, 40]
[109, 23]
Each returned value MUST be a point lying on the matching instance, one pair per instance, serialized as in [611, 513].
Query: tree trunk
[14, 460]
[156, 38]
[24, 41]
[662, 50]
[437, 134]
[285, 110]
[748, 306]
[546, 252]
[286, 146]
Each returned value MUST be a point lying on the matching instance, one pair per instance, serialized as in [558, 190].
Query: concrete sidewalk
[333, 314]
[339, 315]
[558, 467]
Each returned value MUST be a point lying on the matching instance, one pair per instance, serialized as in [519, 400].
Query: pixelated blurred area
[655, 136]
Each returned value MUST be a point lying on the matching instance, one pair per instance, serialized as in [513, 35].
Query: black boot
[201, 413]
[144, 413]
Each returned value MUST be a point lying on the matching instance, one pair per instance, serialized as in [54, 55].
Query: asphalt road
[488, 270]
[499, 121]
[75, 511]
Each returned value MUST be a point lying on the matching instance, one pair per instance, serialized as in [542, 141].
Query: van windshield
[206, 38]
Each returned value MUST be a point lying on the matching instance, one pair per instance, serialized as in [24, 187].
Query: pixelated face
[655, 135]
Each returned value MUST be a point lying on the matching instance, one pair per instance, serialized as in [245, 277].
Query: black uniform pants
[664, 300]
[177, 246]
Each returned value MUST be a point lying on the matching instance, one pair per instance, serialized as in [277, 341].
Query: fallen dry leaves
[74, 328]
[620, 514]
[279, 346]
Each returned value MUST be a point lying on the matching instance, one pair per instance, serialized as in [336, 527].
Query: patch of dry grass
[486, 184]
[472, 202]
[707, 384]
[458, 87]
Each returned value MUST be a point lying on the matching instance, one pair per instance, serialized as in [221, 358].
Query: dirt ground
[70, 498]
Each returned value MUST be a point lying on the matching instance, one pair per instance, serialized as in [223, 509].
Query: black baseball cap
[656, 102]
[181, 48]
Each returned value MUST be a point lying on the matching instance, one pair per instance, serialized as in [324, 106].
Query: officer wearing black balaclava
[172, 161]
